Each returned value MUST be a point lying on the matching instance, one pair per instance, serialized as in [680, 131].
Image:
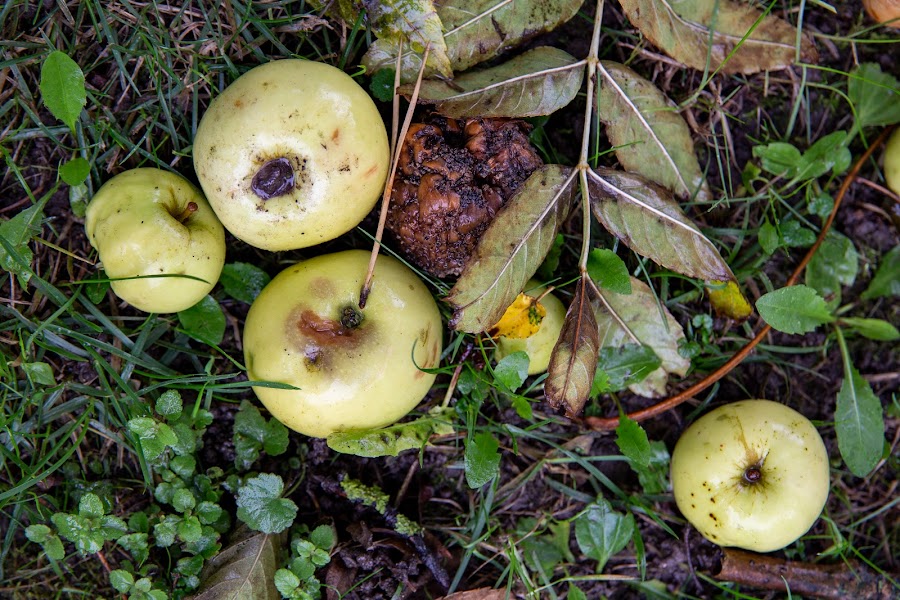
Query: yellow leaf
[521, 320]
[728, 301]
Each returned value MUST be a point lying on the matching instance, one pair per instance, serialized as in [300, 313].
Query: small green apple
[149, 222]
[292, 154]
[539, 345]
[751, 474]
[892, 161]
[353, 369]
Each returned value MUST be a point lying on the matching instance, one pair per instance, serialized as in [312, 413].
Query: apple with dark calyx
[158, 239]
[353, 369]
[751, 474]
[292, 154]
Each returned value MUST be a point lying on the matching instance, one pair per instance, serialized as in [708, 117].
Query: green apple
[352, 369]
[892, 161]
[148, 222]
[292, 154]
[751, 474]
[539, 345]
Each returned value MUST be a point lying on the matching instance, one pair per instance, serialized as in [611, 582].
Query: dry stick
[836, 581]
[606, 424]
[389, 185]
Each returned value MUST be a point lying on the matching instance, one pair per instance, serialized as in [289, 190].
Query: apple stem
[190, 209]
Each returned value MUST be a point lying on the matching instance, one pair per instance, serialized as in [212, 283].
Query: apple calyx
[275, 178]
[184, 215]
[351, 317]
[753, 474]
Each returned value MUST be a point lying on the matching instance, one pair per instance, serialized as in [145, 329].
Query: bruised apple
[353, 369]
[751, 474]
[292, 154]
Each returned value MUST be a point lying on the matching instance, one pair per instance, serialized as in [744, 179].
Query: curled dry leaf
[537, 82]
[694, 31]
[729, 301]
[574, 359]
[652, 324]
[647, 218]
[649, 136]
[476, 31]
[511, 249]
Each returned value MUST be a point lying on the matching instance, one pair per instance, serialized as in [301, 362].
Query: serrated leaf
[875, 95]
[727, 300]
[512, 370]
[886, 281]
[653, 326]
[482, 460]
[62, 87]
[795, 309]
[633, 442]
[858, 423]
[726, 34]
[169, 404]
[204, 321]
[649, 136]
[538, 82]
[647, 218]
[478, 30]
[601, 532]
[392, 440]
[245, 570]
[834, 264]
[828, 153]
[511, 249]
[626, 365]
[260, 505]
[18, 233]
[252, 433]
[609, 271]
[416, 24]
[243, 281]
[570, 374]
[75, 171]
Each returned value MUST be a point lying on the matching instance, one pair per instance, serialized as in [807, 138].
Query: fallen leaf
[729, 301]
[521, 320]
[245, 570]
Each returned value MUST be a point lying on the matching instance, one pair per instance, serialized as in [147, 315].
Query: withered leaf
[521, 320]
[538, 82]
[478, 30]
[649, 220]
[511, 249]
[729, 301]
[652, 324]
[649, 136]
[415, 24]
[243, 570]
[574, 358]
[692, 31]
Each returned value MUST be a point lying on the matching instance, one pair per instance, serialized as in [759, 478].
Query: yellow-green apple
[291, 154]
[539, 344]
[751, 474]
[157, 238]
[892, 160]
[352, 369]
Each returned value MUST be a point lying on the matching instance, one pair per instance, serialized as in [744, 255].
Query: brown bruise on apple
[322, 341]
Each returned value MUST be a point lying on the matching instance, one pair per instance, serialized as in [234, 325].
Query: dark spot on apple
[321, 287]
[713, 517]
[274, 178]
[753, 474]
[238, 103]
[335, 134]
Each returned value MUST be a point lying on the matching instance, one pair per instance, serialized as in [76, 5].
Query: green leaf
[829, 153]
[39, 373]
[834, 264]
[512, 370]
[795, 235]
[382, 84]
[243, 281]
[169, 404]
[627, 365]
[79, 530]
[482, 460]
[62, 87]
[244, 570]
[252, 434]
[392, 440]
[575, 593]
[183, 500]
[633, 442]
[414, 22]
[648, 220]
[323, 537]
[511, 249]
[649, 136]
[768, 237]
[205, 321]
[795, 309]
[121, 580]
[75, 171]
[654, 478]
[609, 271]
[544, 551]
[535, 83]
[90, 506]
[18, 233]
[286, 582]
[859, 423]
[570, 374]
[601, 532]
[189, 529]
[725, 35]
[38, 534]
[874, 329]
[154, 436]
[886, 282]
[779, 158]
[260, 505]
[876, 96]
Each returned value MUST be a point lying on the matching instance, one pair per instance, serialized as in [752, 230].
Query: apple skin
[892, 161]
[349, 378]
[539, 345]
[297, 119]
[708, 475]
[137, 223]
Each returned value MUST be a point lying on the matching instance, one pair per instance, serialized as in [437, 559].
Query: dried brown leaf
[245, 570]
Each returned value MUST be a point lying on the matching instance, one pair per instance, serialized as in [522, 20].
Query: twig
[606, 424]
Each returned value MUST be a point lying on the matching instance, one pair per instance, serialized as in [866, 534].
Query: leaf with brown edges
[690, 31]
[511, 249]
[538, 82]
[649, 220]
[573, 362]
[649, 136]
